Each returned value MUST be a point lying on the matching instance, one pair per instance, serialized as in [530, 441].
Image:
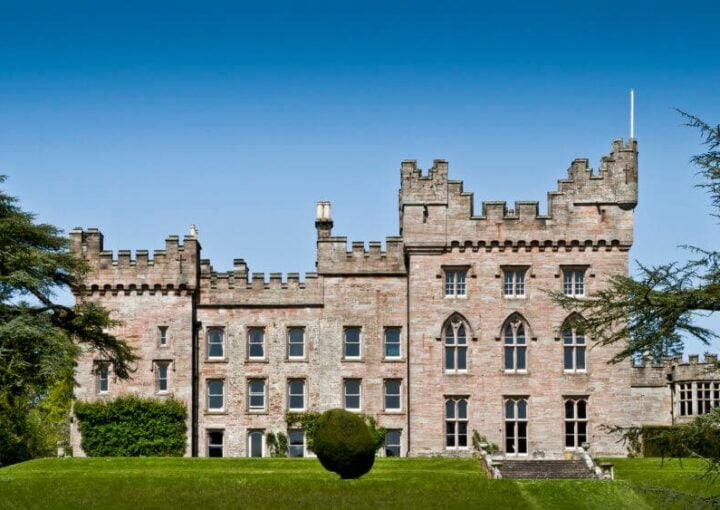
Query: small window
[215, 343]
[455, 282]
[296, 443]
[392, 395]
[256, 443]
[392, 343]
[102, 372]
[392, 443]
[574, 350]
[456, 423]
[686, 407]
[515, 346]
[256, 395]
[162, 336]
[296, 343]
[576, 423]
[514, 283]
[215, 395]
[516, 421]
[256, 343]
[455, 346]
[352, 394]
[215, 443]
[161, 376]
[352, 343]
[574, 282]
[296, 395]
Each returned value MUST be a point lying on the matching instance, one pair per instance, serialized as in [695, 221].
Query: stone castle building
[447, 330]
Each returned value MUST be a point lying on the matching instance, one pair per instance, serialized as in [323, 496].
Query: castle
[448, 330]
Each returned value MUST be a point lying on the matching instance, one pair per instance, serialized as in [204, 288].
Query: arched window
[574, 345]
[515, 335]
[576, 422]
[455, 334]
[456, 423]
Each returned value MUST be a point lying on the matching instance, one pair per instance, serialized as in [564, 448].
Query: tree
[40, 338]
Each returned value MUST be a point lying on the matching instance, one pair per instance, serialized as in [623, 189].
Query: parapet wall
[334, 259]
[171, 269]
[674, 370]
[586, 208]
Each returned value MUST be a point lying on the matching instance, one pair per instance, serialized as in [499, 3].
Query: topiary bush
[132, 427]
[343, 443]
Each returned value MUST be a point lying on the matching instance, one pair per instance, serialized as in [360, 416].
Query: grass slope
[303, 483]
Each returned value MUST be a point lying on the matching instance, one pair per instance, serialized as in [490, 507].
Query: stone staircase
[546, 469]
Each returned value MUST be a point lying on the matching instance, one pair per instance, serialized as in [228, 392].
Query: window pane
[510, 437]
[508, 287]
[392, 342]
[449, 358]
[580, 358]
[509, 339]
[392, 402]
[462, 409]
[522, 409]
[352, 342]
[569, 409]
[449, 283]
[520, 337]
[582, 409]
[461, 334]
[296, 443]
[256, 444]
[580, 339]
[215, 444]
[449, 335]
[449, 409]
[567, 283]
[579, 282]
[510, 409]
[460, 286]
[568, 358]
[567, 336]
[256, 345]
[392, 443]
[520, 283]
[215, 343]
[462, 358]
[296, 343]
[462, 434]
[215, 402]
[509, 361]
[521, 364]
[582, 432]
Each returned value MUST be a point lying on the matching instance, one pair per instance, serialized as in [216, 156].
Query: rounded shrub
[343, 443]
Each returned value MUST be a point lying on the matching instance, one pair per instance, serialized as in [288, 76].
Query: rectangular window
[352, 389]
[514, 283]
[574, 282]
[576, 422]
[392, 443]
[686, 407]
[162, 336]
[704, 397]
[392, 395]
[256, 443]
[102, 372]
[296, 343]
[215, 395]
[456, 423]
[574, 348]
[392, 342]
[256, 395]
[256, 343]
[215, 443]
[716, 394]
[516, 422]
[296, 443]
[215, 343]
[296, 395]
[455, 282]
[161, 376]
[351, 344]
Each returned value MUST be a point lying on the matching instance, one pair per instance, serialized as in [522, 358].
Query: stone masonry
[588, 229]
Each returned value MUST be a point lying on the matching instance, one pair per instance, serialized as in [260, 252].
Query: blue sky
[142, 119]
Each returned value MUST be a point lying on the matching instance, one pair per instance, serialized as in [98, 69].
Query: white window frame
[570, 339]
[163, 336]
[398, 445]
[346, 394]
[456, 421]
[209, 445]
[514, 282]
[685, 399]
[290, 395]
[290, 343]
[574, 281]
[346, 343]
[398, 395]
[515, 346]
[254, 408]
[208, 343]
[209, 409]
[290, 445]
[249, 443]
[159, 367]
[386, 343]
[251, 343]
[575, 421]
[455, 344]
[516, 420]
[455, 282]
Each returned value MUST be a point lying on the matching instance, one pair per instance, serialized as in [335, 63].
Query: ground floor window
[686, 407]
[516, 426]
[392, 443]
[256, 443]
[215, 443]
[576, 422]
[296, 443]
[456, 423]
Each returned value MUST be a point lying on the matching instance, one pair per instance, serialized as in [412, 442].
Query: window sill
[456, 296]
[216, 360]
[209, 412]
[393, 360]
[353, 360]
[296, 360]
[257, 360]
[353, 410]
[392, 411]
[516, 372]
[515, 297]
[575, 372]
[257, 413]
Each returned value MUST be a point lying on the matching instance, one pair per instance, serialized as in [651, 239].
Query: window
[102, 371]
[161, 376]
[704, 397]
[455, 346]
[456, 423]
[392, 342]
[514, 283]
[215, 443]
[352, 343]
[392, 443]
[516, 426]
[296, 443]
[215, 395]
[455, 282]
[296, 395]
[515, 346]
[256, 443]
[686, 407]
[215, 343]
[573, 350]
[352, 393]
[716, 394]
[392, 395]
[574, 282]
[296, 343]
[576, 422]
[256, 395]
[162, 336]
[256, 343]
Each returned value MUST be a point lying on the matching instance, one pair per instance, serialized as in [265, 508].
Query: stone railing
[490, 462]
[603, 471]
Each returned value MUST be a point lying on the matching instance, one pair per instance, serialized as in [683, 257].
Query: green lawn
[302, 483]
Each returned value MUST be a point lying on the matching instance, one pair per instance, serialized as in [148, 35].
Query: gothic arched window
[574, 345]
[515, 337]
[455, 338]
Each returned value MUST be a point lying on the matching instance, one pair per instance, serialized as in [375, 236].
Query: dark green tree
[40, 338]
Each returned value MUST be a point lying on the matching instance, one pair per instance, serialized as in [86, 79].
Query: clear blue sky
[142, 119]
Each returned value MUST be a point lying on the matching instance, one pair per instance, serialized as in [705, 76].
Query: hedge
[132, 427]
[680, 441]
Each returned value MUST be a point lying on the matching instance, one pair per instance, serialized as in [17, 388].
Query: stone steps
[546, 470]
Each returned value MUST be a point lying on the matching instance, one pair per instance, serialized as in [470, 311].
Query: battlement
[587, 206]
[333, 258]
[674, 370]
[174, 268]
[235, 288]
